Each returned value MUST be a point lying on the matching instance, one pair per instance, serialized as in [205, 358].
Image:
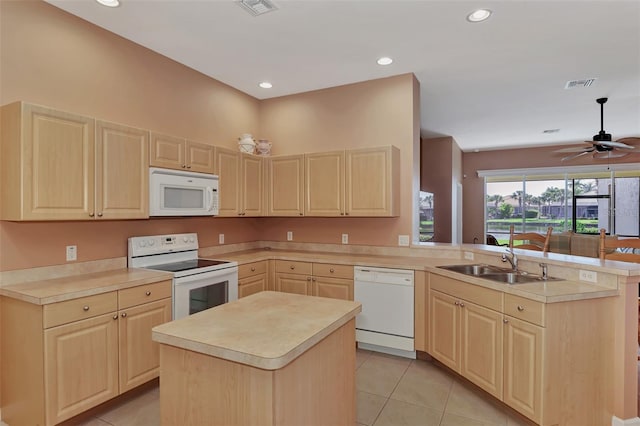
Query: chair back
[609, 248]
[532, 240]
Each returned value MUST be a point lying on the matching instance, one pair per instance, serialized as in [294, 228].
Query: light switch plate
[220, 238]
[403, 240]
[289, 235]
[72, 253]
[345, 238]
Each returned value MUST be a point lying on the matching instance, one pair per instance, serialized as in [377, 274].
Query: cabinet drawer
[292, 267]
[473, 293]
[333, 271]
[77, 309]
[524, 309]
[143, 293]
[250, 269]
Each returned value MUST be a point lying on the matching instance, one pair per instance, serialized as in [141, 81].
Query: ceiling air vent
[573, 84]
[257, 7]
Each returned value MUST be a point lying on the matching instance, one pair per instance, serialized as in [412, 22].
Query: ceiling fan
[602, 146]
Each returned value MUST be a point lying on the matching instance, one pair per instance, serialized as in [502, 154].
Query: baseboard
[628, 422]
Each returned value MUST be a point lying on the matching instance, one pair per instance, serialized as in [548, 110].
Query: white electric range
[198, 284]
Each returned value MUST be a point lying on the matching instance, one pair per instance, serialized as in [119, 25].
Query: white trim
[559, 170]
[628, 422]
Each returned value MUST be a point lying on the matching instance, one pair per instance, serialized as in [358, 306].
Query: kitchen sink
[495, 273]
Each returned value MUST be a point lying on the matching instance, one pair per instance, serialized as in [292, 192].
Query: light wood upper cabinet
[62, 166]
[324, 184]
[241, 185]
[177, 153]
[122, 154]
[285, 186]
[360, 182]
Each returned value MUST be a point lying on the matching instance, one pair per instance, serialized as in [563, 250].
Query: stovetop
[187, 265]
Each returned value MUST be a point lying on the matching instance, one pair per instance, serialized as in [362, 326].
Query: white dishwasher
[386, 321]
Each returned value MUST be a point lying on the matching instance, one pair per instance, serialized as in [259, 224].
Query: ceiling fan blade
[629, 140]
[575, 149]
[610, 154]
[571, 157]
[615, 144]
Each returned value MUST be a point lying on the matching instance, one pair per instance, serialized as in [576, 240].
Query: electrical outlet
[289, 236]
[468, 255]
[403, 240]
[345, 238]
[220, 238]
[590, 276]
[72, 253]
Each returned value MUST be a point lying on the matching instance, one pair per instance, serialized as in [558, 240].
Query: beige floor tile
[379, 375]
[144, 410]
[368, 406]
[454, 420]
[515, 420]
[470, 403]
[361, 356]
[424, 384]
[95, 422]
[398, 413]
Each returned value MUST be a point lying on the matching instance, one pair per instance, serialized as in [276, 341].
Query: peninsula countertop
[266, 330]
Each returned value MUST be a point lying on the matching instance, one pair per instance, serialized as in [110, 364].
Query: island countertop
[266, 330]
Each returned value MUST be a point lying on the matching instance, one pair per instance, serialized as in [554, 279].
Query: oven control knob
[151, 242]
[185, 239]
[142, 243]
[191, 239]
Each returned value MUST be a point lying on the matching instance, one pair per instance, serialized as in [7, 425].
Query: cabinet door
[294, 283]
[286, 186]
[167, 151]
[122, 172]
[57, 166]
[81, 366]
[228, 169]
[324, 184]
[335, 288]
[481, 360]
[523, 367]
[251, 285]
[140, 356]
[372, 182]
[444, 331]
[252, 191]
[200, 157]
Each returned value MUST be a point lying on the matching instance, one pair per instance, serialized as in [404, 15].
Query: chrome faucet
[513, 260]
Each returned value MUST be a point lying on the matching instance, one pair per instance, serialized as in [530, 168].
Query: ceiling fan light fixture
[109, 3]
[479, 15]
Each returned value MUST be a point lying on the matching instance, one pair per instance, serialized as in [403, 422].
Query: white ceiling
[490, 85]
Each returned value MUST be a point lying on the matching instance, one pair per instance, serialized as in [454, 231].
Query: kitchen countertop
[43, 292]
[266, 330]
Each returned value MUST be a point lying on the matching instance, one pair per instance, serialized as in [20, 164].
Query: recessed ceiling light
[266, 85]
[384, 61]
[479, 15]
[109, 3]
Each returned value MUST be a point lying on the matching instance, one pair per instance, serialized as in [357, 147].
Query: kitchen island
[269, 359]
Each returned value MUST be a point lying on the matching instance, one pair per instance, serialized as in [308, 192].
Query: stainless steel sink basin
[495, 273]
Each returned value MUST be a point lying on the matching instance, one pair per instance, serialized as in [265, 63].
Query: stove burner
[187, 265]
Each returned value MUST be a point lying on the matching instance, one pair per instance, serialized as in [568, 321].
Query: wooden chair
[533, 240]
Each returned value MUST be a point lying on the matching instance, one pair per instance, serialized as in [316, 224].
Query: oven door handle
[227, 273]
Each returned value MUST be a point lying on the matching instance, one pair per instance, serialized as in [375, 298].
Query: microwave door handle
[210, 198]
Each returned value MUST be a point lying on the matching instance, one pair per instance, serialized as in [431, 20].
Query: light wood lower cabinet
[61, 359]
[252, 278]
[315, 279]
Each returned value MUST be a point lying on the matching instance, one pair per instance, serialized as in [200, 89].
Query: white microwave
[178, 193]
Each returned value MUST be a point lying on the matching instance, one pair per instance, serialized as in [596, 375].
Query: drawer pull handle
[253, 269]
[505, 320]
[85, 308]
[115, 317]
[520, 308]
[331, 270]
[292, 267]
[147, 293]
[124, 315]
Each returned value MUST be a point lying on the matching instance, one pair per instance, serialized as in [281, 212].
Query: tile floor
[390, 391]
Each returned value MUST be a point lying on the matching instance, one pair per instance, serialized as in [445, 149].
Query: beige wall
[55, 59]
[372, 113]
[473, 186]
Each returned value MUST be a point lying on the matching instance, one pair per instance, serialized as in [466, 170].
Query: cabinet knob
[300, 214]
[504, 320]
[292, 267]
[99, 214]
[456, 303]
[313, 278]
[147, 293]
[341, 214]
[462, 304]
[520, 308]
[124, 315]
[91, 215]
[347, 214]
[184, 166]
[308, 278]
[331, 270]
[115, 316]
[188, 167]
[85, 308]
[253, 269]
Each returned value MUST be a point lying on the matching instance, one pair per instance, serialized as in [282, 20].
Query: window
[574, 199]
